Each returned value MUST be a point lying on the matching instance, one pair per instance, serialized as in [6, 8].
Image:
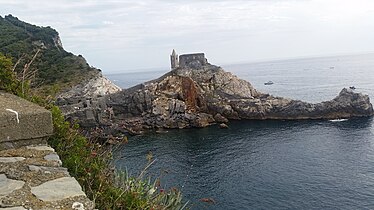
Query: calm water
[271, 164]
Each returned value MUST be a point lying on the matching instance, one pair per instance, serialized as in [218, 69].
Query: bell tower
[174, 60]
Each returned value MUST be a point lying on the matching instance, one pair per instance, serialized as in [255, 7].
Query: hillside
[52, 65]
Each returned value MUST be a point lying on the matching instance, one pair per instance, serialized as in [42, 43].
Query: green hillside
[52, 65]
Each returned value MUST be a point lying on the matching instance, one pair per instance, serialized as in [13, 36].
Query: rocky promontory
[198, 95]
[195, 94]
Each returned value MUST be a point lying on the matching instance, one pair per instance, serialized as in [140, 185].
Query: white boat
[338, 120]
[269, 83]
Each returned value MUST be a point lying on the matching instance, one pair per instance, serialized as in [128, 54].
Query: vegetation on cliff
[40, 50]
[86, 160]
[8, 81]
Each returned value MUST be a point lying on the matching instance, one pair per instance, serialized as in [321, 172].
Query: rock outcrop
[96, 87]
[190, 97]
[86, 102]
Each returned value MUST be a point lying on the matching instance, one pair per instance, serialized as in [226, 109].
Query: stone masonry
[193, 61]
[22, 122]
[31, 177]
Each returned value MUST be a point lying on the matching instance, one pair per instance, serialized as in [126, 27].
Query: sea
[308, 164]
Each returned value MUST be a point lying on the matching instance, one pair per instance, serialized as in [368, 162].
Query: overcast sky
[125, 35]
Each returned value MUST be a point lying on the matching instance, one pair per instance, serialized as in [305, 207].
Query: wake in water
[338, 120]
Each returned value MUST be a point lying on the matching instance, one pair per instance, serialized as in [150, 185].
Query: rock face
[87, 102]
[190, 97]
[96, 87]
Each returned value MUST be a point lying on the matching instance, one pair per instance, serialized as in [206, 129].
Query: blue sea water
[270, 164]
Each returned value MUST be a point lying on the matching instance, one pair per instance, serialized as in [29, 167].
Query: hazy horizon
[167, 68]
[123, 36]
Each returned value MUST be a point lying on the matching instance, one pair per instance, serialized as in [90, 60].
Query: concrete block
[22, 122]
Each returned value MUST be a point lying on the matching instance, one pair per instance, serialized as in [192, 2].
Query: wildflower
[93, 154]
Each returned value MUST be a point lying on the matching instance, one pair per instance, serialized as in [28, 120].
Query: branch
[26, 69]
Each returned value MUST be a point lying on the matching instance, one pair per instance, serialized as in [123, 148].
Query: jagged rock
[97, 86]
[223, 126]
[220, 119]
[202, 120]
[86, 102]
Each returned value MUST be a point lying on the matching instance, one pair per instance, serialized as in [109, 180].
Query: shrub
[8, 80]
[90, 163]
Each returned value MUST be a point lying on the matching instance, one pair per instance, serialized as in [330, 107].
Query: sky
[128, 35]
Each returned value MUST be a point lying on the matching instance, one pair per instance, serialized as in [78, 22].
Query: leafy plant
[8, 80]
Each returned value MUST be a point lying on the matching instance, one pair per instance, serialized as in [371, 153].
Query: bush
[90, 164]
[8, 81]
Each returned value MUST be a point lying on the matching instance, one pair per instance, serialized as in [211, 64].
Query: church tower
[174, 60]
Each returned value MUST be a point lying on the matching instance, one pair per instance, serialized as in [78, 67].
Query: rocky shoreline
[198, 95]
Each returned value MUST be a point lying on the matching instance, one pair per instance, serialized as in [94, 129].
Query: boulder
[220, 119]
[223, 126]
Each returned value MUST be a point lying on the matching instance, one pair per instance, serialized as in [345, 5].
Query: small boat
[332, 67]
[269, 83]
[338, 120]
[352, 88]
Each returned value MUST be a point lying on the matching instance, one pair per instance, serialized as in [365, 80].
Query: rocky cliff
[86, 102]
[38, 51]
[189, 97]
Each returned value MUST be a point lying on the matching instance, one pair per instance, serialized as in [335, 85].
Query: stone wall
[22, 122]
[31, 177]
[31, 173]
[194, 61]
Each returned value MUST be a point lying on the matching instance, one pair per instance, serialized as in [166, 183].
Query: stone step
[31, 177]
